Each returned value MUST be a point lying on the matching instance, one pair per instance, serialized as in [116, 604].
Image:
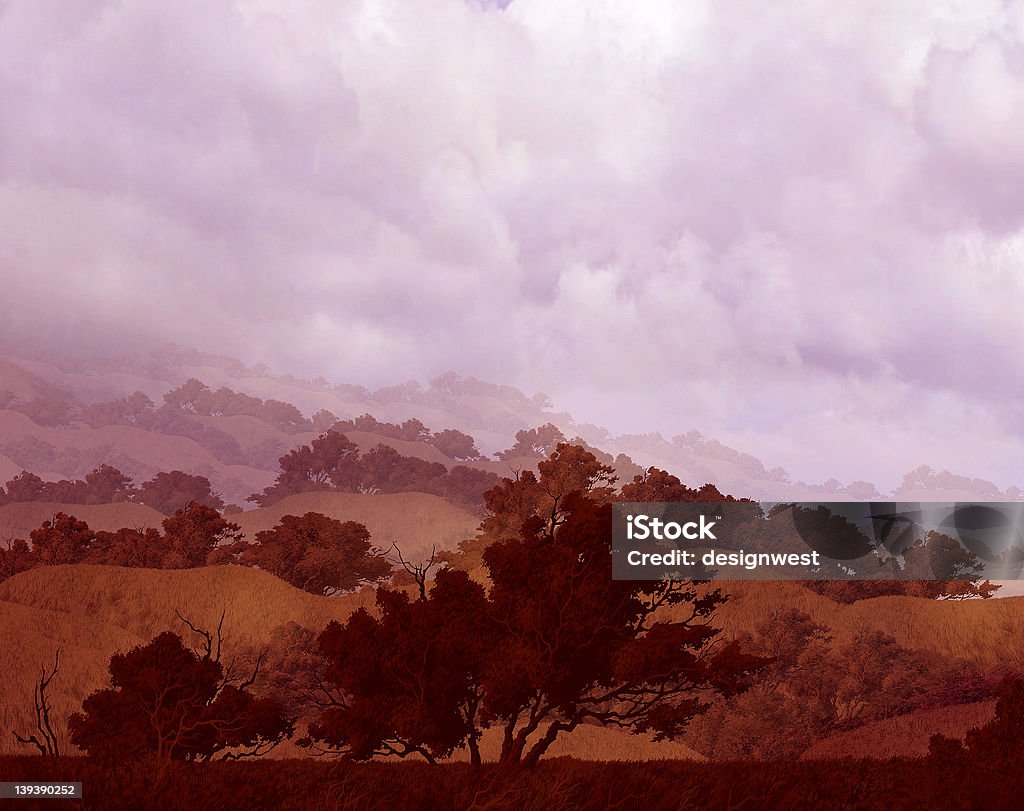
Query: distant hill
[416, 521]
[986, 632]
[905, 735]
[19, 519]
[74, 451]
[8, 468]
[489, 412]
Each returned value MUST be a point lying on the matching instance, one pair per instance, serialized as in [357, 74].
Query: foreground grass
[560, 783]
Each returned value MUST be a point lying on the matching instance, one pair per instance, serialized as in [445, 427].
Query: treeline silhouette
[333, 462]
[165, 492]
[552, 642]
[176, 416]
[313, 552]
[330, 463]
[522, 634]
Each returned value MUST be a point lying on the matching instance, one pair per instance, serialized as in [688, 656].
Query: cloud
[792, 226]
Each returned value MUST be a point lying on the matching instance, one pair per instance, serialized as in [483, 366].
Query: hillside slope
[415, 521]
[72, 452]
[905, 735]
[17, 520]
[91, 612]
[986, 632]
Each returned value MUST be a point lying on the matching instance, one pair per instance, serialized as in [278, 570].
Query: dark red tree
[107, 485]
[406, 682]
[128, 546]
[534, 442]
[383, 469]
[192, 533]
[168, 492]
[315, 553]
[555, 643]
[15, 557]
[329, 461]
[26, 487]
[507, 505]
[169, 702]
[62, 539]
[465, 486]
[660, 485]
[455, 445]
[575, 646]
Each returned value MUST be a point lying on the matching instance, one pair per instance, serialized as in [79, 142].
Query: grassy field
[416, 521]
[904, 736]
[91, 612]
[94, 611]
[986, 632]
[19, 519]
[561, 783]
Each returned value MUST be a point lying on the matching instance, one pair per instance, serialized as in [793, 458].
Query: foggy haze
[795, 227]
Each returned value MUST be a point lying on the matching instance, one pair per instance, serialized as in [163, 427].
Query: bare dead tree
[209, 643]
[44, 739]
[210, 649]
[418, 571]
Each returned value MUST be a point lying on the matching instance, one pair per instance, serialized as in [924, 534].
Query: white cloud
[770, 218]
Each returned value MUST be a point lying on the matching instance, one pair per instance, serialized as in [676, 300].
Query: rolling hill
[986, 632]
[91, 612]
[905, 735]
[19, 519]
[73, 451]
[416, 521]
[491, 413]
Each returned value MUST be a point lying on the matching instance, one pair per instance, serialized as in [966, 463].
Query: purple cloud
[794, 227]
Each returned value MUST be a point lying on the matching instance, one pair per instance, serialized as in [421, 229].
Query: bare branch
[208, 639]
[49, 745]
[418, 571]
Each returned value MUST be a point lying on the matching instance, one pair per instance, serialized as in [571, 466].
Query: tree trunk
[544, 743]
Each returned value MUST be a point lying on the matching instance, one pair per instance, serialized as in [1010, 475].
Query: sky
[796, 227]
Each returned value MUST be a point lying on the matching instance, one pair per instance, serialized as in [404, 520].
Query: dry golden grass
[31, 637]
[589, 742]
[91, 612]
[142, 602]
[986, 632]
[416, 521]
[19, 519]
[904, 736]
